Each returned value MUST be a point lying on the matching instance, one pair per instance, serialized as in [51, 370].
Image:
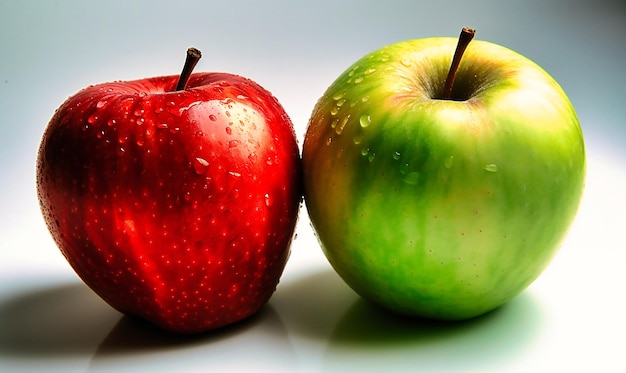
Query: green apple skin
[436, 208]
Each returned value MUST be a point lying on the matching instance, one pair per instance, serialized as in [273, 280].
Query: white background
[571, 318]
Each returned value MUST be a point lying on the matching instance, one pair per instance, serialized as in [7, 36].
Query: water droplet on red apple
[233, 143]
[101, 104]
[268, 200]
[365, 121]
[111, 122]
[200, 165]
[174, 129]
[162, 126]
[212, 117]
[229, 131]
[138, 112]
[92, 119]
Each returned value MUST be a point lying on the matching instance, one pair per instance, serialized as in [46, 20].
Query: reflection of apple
[176, 205]
[437, 199]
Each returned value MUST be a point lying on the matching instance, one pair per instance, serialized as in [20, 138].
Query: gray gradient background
[572, 317]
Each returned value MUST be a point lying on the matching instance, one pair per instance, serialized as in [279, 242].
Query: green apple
[442, 205]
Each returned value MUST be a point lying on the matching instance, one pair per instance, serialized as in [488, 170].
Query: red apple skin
[177, 207]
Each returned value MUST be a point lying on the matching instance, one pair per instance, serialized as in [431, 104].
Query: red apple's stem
[193, 56]
[467, 34]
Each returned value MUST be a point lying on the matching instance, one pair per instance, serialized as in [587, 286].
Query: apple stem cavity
[467, 34]
[193, 56]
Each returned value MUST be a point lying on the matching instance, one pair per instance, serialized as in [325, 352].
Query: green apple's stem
[193, 56]
[467, 34]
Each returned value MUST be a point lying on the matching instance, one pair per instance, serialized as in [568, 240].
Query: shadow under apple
[259, 341]
[59, 320]
[312, 303]
[378, 339]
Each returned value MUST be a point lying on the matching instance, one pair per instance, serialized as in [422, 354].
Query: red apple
[173, 202]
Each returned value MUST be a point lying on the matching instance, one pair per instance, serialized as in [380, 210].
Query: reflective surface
[570, 318]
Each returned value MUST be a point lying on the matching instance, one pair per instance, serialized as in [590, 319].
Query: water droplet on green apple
[334, 110]
[411, 178]
[200, 165]
[329, 141]
[448, 162]
[340, 103]
[365, 98]
[334, 123]
[365, 151]
[369, 71]
[358, 80]
[491, 167]
[371, 157]
[357, 139]
[342, 125]
[365, 121]
[396, 155]
[338, 95]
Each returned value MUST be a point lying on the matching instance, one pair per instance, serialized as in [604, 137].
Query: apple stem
[193, 56]
[467, 34]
